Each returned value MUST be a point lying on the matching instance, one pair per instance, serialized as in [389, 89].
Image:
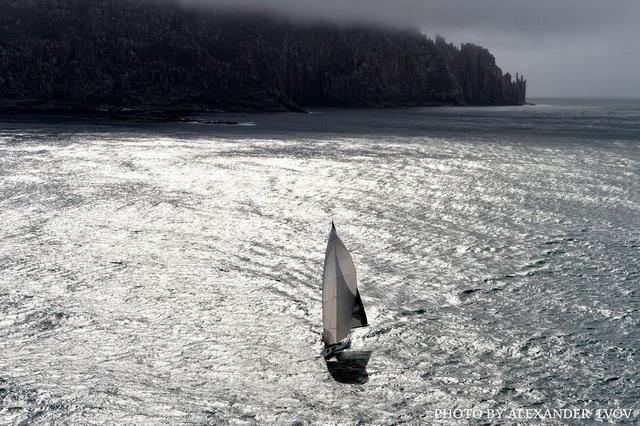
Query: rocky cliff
[157, 54]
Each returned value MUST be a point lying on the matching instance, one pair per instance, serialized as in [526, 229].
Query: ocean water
[170, 273]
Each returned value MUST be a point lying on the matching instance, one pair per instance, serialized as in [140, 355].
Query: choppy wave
[155, 275]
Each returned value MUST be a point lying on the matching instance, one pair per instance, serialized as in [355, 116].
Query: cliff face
[155, 54]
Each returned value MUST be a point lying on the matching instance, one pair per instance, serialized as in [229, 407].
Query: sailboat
[342, 308]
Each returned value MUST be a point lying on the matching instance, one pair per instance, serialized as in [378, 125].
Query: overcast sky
[564, 48]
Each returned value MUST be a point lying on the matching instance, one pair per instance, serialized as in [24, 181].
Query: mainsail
[342, 307]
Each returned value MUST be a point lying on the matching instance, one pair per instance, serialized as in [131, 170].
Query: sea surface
[170, 273]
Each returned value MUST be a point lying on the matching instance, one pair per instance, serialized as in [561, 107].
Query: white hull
[331, 350]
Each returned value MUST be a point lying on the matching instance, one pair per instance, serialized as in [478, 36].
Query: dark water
[169, 273]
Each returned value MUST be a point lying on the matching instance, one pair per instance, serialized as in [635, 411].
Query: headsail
[342, 307]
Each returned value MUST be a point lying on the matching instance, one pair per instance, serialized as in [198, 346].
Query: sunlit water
[170, 273]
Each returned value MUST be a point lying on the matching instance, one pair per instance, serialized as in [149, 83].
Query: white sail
[339, 292]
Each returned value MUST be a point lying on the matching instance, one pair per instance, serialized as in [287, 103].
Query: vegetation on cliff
[158, 54]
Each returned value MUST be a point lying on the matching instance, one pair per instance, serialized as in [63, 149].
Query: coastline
[166, 112]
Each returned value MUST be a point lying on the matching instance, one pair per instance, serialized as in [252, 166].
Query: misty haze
[573, 48]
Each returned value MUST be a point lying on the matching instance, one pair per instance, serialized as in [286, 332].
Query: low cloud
[551, 42]
[503, 16]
